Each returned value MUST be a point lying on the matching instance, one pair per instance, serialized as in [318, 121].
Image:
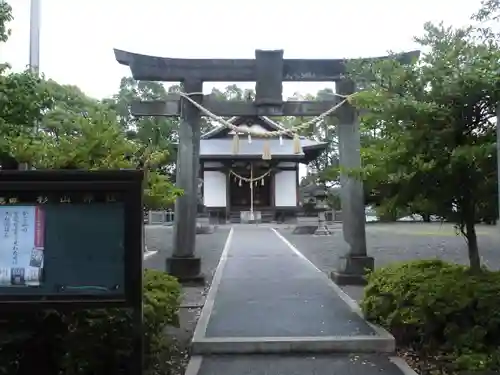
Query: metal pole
[251, 191]
[34, 56]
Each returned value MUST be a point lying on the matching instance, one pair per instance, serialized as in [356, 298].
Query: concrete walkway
[269, 306]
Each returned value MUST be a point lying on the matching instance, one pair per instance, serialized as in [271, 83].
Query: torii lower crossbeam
[171, 107]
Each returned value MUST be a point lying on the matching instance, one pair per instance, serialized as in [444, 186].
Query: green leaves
[54, 126]
[433, 307]
[490, 10]
[159, 193]
[429, 135]
[5, 18]
[22, 100]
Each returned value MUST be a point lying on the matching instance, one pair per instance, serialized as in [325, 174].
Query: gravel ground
[208, 246]
[394, 242]
[400, 242]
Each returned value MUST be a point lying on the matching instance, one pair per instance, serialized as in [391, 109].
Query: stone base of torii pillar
[185, 269]
[352, 270]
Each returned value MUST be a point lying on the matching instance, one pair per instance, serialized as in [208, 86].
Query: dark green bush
[89, 342]
[431, 305]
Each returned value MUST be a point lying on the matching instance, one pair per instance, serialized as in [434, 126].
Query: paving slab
[267, 290]
[301, 365]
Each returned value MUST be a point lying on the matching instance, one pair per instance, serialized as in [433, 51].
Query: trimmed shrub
[431, 305]
[89, 342]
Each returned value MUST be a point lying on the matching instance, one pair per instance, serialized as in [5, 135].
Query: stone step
[266, 217]
[266, 364]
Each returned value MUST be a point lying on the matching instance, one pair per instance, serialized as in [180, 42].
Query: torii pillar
[352, 266]
[184, 264]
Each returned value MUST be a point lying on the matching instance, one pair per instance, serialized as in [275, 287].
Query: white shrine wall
[285, 186]
[214, 186]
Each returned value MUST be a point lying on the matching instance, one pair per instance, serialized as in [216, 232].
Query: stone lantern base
[322, 229]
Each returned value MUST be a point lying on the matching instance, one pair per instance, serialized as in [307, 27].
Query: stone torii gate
[269, 70]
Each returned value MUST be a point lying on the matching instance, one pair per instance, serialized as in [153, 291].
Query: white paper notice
[21, 245]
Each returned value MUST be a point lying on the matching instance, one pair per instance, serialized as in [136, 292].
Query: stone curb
[196, 361]
[289, 345]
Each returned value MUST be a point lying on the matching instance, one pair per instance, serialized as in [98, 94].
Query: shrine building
[258, 176]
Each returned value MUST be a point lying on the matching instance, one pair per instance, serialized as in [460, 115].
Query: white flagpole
[34, 62]
[34, 53]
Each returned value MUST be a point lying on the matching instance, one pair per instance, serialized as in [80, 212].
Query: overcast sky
[78, 36]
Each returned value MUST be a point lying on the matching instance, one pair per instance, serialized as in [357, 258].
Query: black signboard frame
[129, 183]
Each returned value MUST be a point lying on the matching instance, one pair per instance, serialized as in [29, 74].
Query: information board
[71, 236]
[21, 245]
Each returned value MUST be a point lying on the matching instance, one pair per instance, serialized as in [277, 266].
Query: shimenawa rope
[293, 131]
[250, 180]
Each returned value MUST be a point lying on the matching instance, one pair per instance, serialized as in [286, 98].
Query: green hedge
[437, 307]
[90, 342]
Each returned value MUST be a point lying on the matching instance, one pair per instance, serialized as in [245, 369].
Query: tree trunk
[470, 235]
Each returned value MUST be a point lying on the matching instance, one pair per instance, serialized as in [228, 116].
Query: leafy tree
[160, 130]
[81, 132]
[434, 120]
[5, 18]
[235, 93]
[489, 11]
[47, 125]
[22, 103]
[325, 168]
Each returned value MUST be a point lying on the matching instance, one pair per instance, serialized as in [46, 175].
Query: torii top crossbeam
[154, 68]
[269, 70]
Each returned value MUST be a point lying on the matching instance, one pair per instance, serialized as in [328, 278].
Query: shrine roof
[223, 148]
[262, 121]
